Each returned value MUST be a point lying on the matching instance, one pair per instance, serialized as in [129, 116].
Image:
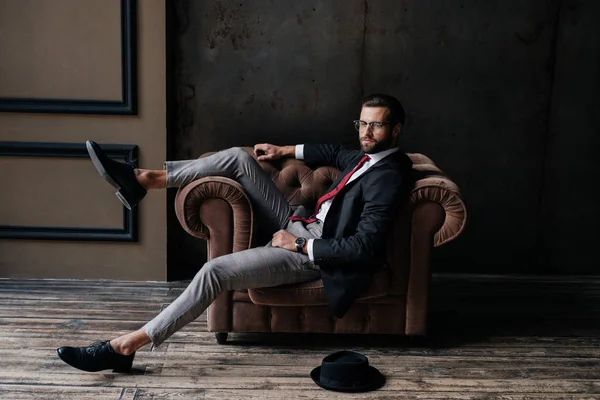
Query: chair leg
[221, 337]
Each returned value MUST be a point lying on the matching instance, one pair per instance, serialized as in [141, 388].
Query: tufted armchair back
[302, 185]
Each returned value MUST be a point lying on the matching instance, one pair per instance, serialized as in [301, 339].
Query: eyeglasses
[375, 126]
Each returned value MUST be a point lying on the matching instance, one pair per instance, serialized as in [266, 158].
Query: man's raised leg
[271, 206]
[132, 184]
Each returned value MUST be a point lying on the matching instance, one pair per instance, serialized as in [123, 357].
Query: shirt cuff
[300, 152]
[309, 247]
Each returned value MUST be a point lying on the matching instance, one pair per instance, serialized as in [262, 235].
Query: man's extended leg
[259, 267]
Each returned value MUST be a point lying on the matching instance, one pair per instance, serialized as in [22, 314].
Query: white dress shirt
[373, 159]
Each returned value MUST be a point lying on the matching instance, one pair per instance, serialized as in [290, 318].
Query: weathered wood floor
[494, 338]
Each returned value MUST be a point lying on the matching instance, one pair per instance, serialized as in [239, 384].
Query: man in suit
[342, 242]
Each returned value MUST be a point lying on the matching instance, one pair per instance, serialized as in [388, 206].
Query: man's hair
[391, 103]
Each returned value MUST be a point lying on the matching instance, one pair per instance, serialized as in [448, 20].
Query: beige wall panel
[67, 49]
[145, 260]
[36, 193]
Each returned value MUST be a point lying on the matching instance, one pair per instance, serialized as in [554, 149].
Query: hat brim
[376, 379]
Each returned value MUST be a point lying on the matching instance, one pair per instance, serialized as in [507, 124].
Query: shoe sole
[121, 197]
[102, 171]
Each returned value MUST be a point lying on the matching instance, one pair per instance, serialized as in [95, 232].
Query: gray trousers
[258, 267]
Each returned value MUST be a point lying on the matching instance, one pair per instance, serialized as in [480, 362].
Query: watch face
[300, 242]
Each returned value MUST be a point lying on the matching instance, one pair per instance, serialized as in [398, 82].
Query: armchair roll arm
[439, 216]
[196, 199]
[431, 185]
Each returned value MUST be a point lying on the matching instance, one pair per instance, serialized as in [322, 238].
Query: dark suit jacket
[352, 246]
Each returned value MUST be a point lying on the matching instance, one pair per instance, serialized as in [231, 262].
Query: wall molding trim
[127, 233]
[127, 105]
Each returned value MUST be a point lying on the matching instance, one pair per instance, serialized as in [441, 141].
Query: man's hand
[269, 152]
[285, 240]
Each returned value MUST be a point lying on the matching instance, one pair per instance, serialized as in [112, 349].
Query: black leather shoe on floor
[95, 357]
[120, 175]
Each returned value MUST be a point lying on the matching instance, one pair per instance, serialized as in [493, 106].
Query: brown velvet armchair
[217, 210]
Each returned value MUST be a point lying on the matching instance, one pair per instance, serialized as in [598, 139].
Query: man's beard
[377, 146]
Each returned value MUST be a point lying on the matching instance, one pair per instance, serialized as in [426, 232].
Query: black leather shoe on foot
[120, 175]
[95, 357]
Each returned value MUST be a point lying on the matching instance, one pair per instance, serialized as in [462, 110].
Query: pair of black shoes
[95, 357]
[120, 175]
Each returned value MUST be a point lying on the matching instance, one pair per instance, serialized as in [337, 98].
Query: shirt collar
[376, 157]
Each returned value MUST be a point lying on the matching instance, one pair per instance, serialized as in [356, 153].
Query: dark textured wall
[570, 210]
[502, 95]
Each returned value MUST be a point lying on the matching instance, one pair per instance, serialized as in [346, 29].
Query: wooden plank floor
[493, 338]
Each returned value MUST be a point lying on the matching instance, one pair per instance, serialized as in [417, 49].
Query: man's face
[374, 140]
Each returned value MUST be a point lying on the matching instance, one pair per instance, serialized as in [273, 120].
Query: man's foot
[120, 175]
[95, 357]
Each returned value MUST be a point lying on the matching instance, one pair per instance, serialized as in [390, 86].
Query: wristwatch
[300, 243]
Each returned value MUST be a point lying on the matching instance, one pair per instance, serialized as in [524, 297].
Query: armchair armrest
[201, 214]
[433, 186]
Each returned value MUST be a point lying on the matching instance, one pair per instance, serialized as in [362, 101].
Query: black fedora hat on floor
[347, 371]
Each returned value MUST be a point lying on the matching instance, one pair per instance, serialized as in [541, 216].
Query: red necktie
[331, 194]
